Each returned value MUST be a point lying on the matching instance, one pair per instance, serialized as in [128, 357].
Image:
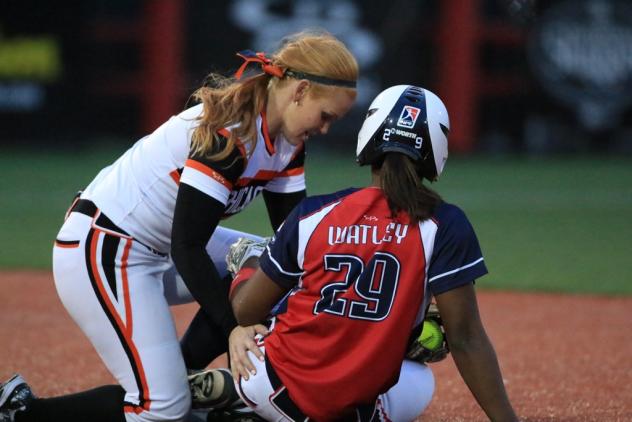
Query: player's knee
[172, 408]
[422, 384]
[178, 407]
[411, 395]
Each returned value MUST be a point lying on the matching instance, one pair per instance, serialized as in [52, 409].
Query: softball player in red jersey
[357, 269]
[159, 205]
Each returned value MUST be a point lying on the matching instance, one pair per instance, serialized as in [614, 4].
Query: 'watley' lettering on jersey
[362, 234]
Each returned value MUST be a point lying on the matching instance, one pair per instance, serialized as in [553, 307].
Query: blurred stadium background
[539, 94]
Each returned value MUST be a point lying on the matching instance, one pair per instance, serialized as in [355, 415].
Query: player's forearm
[201, 278]
[254, 300]
[248, 311]
[195, 218]
[478, 365]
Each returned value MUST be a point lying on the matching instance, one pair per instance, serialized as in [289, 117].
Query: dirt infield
[564, 358]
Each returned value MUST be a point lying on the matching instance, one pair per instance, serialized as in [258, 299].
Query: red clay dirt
[563, 357]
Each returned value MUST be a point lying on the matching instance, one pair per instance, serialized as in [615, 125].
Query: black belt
[89, 208]
[363, 413]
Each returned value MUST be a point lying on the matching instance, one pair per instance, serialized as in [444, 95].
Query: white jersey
[138, 191]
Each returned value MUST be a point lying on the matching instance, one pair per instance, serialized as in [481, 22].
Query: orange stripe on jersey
[128, 303]
[209, 172]
[226, 134]
[67, 243]
[117, 318]
[266, 134]
[175, 176]
[264, 175]
[132, 409]
[292, 172]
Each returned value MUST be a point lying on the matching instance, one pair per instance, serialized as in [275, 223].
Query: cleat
[15, 396]
[213, 389]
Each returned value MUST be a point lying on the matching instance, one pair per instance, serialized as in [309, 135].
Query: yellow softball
[431, 336]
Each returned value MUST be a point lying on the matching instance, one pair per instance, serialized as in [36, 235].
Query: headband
[250, 56]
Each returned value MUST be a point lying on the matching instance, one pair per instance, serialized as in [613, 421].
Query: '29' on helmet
[409, 120]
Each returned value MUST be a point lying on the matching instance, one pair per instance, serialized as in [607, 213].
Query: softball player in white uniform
[160, 203]
[113, 252]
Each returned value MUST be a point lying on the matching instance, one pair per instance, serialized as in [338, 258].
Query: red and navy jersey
[359, 282]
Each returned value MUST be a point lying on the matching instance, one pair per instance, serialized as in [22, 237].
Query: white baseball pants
[402, 403]
[114, 288]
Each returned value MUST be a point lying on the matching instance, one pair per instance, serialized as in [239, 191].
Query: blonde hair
[228, 101]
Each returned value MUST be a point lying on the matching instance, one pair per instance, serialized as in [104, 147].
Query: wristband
[242, 275]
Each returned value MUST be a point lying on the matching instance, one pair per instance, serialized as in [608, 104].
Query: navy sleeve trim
[456, 258]
[276, 273]
[468, 276]
[447, 273]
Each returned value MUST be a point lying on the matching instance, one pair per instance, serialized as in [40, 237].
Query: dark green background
[546, 224]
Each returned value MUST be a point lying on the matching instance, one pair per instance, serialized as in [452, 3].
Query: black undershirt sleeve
[279, 205]
[195, 219]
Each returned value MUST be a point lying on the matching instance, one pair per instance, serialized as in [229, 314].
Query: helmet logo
[408, 117]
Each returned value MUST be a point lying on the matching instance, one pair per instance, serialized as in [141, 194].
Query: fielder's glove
[243, 249]
[416, 351]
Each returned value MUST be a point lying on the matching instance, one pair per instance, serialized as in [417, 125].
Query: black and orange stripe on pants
[123, 329]
[112, 287]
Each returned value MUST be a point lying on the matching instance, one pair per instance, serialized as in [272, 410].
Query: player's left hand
[240, 342]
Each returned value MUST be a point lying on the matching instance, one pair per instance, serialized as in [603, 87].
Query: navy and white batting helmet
[409, 120]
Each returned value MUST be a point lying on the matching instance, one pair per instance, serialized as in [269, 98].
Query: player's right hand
[240, 342]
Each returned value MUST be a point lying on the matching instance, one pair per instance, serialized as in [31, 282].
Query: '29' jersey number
[375, 285]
